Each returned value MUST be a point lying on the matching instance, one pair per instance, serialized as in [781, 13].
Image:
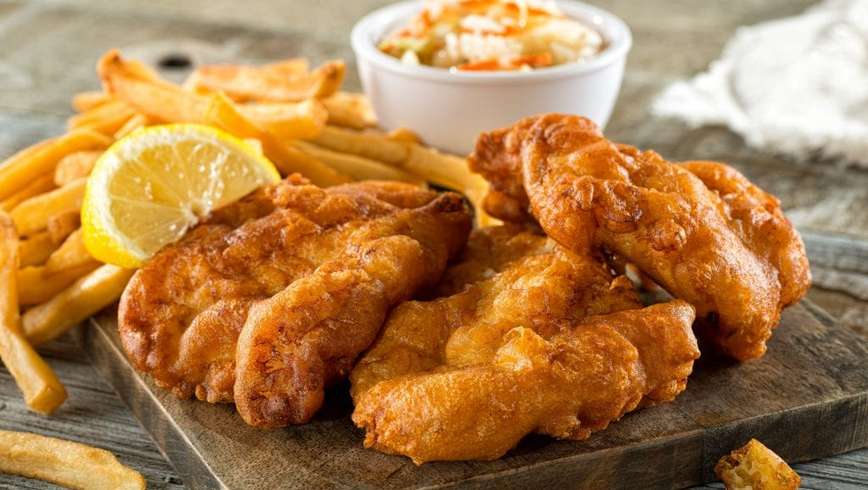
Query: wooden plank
[807, 398]
[93, 414]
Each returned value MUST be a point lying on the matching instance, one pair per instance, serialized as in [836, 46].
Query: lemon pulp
[149, 188]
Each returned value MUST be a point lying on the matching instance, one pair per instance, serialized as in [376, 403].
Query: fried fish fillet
[528, 337]
[701, 230]
[303, 275]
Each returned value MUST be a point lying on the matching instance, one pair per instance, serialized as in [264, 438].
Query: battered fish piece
[304, 275]
[700, 230]
[529, 338]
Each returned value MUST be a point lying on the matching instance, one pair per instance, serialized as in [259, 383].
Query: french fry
[75, 166]
[36, 249]
[359, 168]
[132, 124]
[60, 226]
[72, 253]
[161, 101]
[225, 115]
[84, 298]
[29, 165]
[288, 120]
[405, 135]
[85, 101]
[33, 214]
[66, 463]
[369, 144]
[29, 151]
[36, 286]
[105, 118]
[426, 163]
[442, 169]
[350, 110]
[291, 67]
[40, 185]
[268, 84]
[452, 172]
[62, 267]
[42, 390]
[476, 196]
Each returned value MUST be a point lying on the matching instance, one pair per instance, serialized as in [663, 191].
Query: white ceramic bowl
[449, 110]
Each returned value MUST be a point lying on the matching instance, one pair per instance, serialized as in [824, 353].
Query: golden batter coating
[530, 338]
[700, 229]
[316, 269]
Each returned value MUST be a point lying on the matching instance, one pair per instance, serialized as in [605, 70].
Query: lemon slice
[149, 188]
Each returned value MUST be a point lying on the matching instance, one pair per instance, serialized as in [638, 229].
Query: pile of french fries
[296, 116]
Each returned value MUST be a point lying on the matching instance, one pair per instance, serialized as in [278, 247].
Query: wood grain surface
[807, 398]
[49, 49]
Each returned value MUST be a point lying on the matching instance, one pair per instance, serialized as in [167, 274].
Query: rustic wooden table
[48, 53]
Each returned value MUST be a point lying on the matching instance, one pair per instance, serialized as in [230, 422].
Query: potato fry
[268, 84]
[429, 164]
[288, 120]
[28, 165]
[60, 226]
[42, 184]
[360, 168]
[756, 466]
[36, 285]
[162, 101]
[106, 118]
[66, 463]
[406, 135]
[452, 172]
[42, 390]
[225, 115]
[132, 124]
[441, 168]
[290, 67]
[369, 144]
[477, 196]
[85, 101]
[75, 166]
[425, 163]
[33, 214]
[84, 298]
[36, 249]
[350, 110]
[72, 253]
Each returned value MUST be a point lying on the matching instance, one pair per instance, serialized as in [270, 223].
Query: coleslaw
[492, 35]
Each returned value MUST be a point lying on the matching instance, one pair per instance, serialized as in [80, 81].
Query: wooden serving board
[806, 399]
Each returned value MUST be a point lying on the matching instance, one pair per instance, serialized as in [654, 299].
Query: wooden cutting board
[806, 399]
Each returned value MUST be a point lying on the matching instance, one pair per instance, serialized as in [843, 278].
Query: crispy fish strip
[307, 257]
[530, 338]
[736, 258]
